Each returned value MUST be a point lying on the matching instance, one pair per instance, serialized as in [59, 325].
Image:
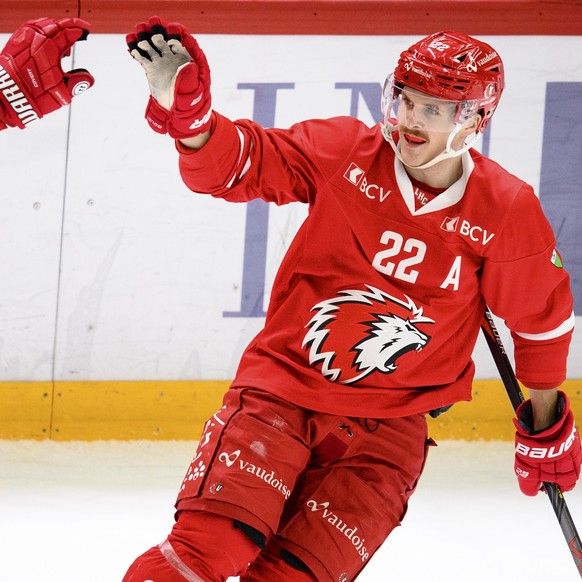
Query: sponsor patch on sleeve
[557, 260]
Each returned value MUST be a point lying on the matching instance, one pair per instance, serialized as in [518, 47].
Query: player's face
[424, 125]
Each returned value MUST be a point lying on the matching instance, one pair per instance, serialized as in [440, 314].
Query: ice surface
[81, 512]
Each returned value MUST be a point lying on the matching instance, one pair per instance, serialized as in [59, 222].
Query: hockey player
[32, 82]
[374, 313]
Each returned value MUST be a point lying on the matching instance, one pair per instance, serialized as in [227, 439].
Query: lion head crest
[360, 332]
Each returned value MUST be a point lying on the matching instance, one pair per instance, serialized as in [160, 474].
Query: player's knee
[152, 565]
[202, 546]
[214, 544]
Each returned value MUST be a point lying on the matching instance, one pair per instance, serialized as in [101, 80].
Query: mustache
[415, 132]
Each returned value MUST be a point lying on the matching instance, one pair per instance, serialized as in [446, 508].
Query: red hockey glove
[32, 82]
[551, 455]
[178, 75]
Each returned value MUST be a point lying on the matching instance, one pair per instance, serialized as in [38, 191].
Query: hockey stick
[516, 396]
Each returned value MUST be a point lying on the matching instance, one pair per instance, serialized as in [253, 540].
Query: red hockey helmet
[455, 67]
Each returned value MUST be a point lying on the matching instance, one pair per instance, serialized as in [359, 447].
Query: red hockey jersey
[377, 305]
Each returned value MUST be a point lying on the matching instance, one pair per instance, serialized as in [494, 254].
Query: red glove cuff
[524, 419]
[191, 111]
[157, 116]
[16, 105]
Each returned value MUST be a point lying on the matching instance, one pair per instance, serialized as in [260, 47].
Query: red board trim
[315, 17]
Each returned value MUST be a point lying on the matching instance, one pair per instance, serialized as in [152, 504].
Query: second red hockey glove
[178, 75]
[32, 82]
[552, 455]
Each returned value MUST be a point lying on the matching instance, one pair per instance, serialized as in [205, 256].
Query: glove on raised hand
[178, 75]
[552, 455]
[32, 82]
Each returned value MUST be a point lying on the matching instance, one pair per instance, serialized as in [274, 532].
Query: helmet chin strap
[388, 129]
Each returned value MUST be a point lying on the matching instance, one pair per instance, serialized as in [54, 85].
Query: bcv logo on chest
[464, 228]
[356, 176]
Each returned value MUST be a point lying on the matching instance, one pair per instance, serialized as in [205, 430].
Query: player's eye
[407, 102]
[432, 110]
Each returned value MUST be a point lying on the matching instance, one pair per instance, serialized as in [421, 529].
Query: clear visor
[414, 110]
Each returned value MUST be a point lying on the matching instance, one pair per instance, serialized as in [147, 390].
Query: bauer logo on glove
[32, 82]
[553, 455]
[544, 452]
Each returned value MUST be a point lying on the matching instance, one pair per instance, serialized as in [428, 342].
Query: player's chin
[413, 156]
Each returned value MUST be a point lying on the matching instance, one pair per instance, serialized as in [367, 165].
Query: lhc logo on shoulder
[361, 332]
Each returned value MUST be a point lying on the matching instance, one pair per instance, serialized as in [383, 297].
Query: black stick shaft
[516, 396]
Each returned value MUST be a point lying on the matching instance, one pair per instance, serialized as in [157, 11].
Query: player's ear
[470, 126]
